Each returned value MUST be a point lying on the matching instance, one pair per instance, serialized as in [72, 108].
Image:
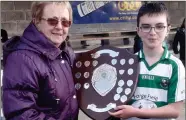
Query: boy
[161, 86]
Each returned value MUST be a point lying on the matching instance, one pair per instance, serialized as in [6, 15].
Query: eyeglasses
[148, 28]
[54, 22]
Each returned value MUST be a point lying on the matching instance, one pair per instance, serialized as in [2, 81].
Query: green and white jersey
[159, 84]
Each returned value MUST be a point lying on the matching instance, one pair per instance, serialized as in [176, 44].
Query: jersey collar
[166, 54]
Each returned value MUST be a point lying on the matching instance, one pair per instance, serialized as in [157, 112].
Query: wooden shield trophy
[104, 78]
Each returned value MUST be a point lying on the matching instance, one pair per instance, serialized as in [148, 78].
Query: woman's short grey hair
[38, 7]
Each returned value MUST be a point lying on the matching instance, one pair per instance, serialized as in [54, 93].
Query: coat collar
[40, 43]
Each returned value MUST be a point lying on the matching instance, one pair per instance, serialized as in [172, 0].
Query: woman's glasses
[54, 22]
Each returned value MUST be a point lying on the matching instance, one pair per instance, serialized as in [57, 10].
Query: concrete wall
[15, 16]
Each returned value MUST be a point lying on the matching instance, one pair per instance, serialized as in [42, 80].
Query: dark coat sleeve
[175, 43]
[20, 89]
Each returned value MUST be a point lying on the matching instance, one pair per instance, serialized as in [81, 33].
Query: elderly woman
[37, 78]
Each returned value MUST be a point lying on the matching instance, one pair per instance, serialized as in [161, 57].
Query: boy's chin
[152, 45]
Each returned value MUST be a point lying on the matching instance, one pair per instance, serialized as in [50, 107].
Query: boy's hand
[124, 111]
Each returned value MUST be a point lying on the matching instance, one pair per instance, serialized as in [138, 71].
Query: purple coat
[37, 79]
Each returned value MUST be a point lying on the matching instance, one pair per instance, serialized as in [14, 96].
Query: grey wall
[15, 16]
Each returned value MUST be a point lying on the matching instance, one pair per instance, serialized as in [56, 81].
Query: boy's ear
[169, 27]
[137, 29]
[168, 30]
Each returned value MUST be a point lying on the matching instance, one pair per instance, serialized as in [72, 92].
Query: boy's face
[153, 37]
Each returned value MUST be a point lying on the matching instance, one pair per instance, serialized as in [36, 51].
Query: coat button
[57, 100]
[74, 96]
[62, 61]
[55, 79]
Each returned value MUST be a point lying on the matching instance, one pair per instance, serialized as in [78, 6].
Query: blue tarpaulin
[88, 12]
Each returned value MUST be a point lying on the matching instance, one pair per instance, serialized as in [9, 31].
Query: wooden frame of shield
[104, 78]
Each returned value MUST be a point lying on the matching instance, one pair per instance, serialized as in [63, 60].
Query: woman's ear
[35, 21]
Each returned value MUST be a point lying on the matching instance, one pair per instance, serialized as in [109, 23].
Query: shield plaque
[104, 78]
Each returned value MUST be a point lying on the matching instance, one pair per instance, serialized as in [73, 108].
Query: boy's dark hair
[151, 9]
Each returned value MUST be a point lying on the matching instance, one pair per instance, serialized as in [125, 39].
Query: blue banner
[89, 12]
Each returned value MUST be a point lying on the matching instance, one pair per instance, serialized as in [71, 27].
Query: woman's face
[54, 23]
